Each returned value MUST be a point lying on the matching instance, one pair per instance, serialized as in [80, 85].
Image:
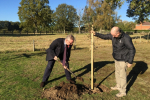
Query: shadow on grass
[87, 68]
[105, 78]
[19, 35]
[28, 55]
[33, 54]
[78, 48]
[139, 68]
[97, 66]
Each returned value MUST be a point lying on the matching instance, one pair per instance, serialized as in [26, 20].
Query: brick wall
[142, 27]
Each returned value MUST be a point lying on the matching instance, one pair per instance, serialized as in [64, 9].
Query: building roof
[145, 23]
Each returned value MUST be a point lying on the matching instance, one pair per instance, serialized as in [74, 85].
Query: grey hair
[70, 37]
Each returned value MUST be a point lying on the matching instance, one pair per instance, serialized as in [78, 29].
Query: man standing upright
[59, 48]
[123, 53]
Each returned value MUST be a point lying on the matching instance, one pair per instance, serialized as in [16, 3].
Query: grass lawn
[21, 71]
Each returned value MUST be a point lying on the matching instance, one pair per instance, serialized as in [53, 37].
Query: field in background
[21, 72]
[42, 42]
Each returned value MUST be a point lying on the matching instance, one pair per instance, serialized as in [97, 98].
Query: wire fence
[82, 41]
[17, 32]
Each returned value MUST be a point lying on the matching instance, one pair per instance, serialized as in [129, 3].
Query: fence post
[140, 38]
[148, 38]
[75, 42]
[33, 46]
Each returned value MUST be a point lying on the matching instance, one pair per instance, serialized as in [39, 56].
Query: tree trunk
[35, 27]
[79, 29]
[79, 25]
[64, 29]
[100, 31]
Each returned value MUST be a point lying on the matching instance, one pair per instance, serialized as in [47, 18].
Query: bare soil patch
[71, 91]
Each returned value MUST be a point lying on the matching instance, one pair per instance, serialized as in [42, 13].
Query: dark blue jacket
[56, 48]
[123, 48]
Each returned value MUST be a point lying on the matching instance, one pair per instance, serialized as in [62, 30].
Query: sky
[9, 8]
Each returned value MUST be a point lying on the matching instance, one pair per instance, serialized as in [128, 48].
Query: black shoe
[42, 84]
[71, 81]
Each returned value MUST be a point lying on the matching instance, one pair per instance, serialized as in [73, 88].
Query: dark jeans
[49, 68]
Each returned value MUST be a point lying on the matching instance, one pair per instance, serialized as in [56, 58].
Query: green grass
[22, 72]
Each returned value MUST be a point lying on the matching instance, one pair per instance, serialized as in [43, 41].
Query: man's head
[115, 32]
[69, 39]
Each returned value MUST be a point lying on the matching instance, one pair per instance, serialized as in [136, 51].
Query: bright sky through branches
[9, 8]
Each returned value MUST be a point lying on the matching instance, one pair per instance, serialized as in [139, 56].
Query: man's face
[69, 42]
[115, 34]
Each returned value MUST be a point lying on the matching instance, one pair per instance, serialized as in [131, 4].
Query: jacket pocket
[117, 56]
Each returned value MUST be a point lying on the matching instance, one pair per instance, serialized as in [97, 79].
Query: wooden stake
[92, 71]
[33, 46]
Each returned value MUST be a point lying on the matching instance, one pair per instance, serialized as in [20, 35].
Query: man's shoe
[120, 94]
[71, 81]
[42, 84]
[115, 88]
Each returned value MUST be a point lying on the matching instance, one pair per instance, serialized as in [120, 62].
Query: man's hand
[55, 58]
[93, 32]
[129, 65]
[65, 67]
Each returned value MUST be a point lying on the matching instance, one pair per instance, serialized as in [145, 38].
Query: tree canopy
[139, 10]
[65, 16]
[101, 12]
[10, 26]
[34, 14]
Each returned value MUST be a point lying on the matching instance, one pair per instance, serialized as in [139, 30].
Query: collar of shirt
[64, 44]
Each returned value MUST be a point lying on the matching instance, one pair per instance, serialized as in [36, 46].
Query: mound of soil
[70, 91]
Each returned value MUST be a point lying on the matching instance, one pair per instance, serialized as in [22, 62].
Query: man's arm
[102, 36]
[52, 47]
[131, 48]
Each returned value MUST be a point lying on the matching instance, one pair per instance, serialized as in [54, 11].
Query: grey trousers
[120, 75]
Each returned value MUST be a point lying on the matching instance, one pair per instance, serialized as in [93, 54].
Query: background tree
[102, 12]
[64, 16]
[4, 24]
[10, 26]
[139, 10]
[116, 18]
[125, 25]
[79, 21]
[34, 13]
[87, 18]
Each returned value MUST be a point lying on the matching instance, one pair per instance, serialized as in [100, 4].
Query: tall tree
[79, 21]
[64, 15]
[139, 10]
[102, 12]
[34, 13]
[87, 18]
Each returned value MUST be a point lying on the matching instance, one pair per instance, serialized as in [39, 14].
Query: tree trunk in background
[79, 29]
[100, 31]
[64, 29]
